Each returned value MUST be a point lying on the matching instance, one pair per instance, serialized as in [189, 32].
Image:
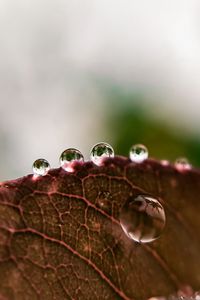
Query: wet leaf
[60, 236]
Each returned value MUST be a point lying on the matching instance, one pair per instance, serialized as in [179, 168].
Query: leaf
[60, 236]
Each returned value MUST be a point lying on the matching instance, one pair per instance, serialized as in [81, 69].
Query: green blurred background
[131, 123]
[75, 73]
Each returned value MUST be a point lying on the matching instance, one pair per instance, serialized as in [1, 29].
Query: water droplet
[101, 151]
[41, 167]
[138, 153]
[182, 164]
[142, 218]
[69, 157]
[164, 162]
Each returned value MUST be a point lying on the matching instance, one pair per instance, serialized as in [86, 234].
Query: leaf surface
[60, 235]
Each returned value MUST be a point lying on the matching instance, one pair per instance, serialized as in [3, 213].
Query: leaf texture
[60, 235]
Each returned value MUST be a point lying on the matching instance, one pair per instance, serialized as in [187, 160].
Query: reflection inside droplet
[182, 164]
[41, 167]
[69, 157]
[142, 218]
[138, 153]
[101, 151]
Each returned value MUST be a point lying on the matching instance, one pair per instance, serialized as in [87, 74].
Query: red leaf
[60, 236]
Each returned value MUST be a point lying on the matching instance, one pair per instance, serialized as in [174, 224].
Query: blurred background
[73, 73]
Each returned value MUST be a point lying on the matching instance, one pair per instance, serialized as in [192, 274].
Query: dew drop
[138, 153]
[101, 151]
[142, 218]
[164, 162]
[69, 157]
[182, 164]
[41, 167]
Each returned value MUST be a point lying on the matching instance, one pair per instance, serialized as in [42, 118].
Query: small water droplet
[69, 157]
[138, 153]
[142, 218]
[41, 167]
[164, 162]
[101, 151]
[182, 164]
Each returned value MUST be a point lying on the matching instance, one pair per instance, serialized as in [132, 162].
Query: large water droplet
[69, 157]
[101, 151]
[41, 167]
[182, 164]
[138, 153]
[142, 218]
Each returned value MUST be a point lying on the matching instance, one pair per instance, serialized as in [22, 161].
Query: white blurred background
[54, 53]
